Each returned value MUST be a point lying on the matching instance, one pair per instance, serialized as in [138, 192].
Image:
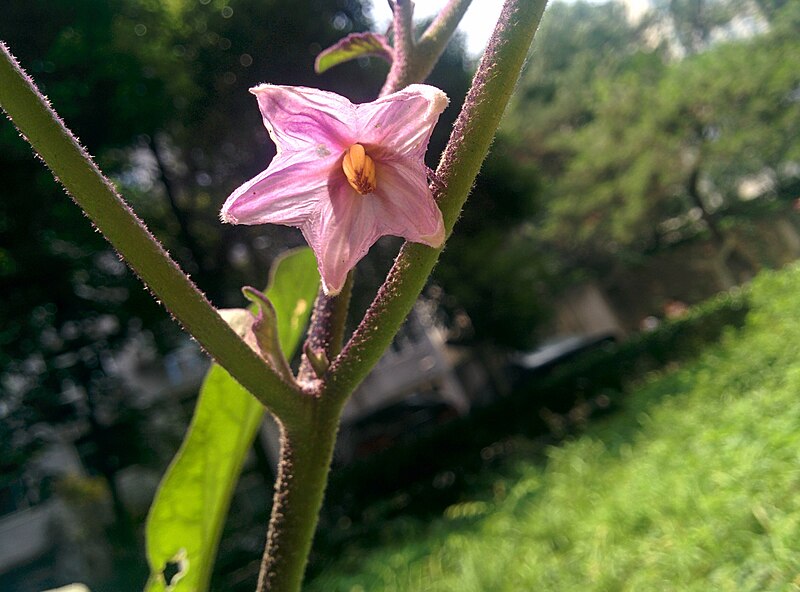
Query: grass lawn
[694, 485]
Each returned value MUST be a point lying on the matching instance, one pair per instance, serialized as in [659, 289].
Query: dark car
[554, 352]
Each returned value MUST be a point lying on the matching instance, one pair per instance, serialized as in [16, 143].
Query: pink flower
[344, 174]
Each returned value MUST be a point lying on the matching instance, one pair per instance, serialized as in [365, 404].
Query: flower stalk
[326, 333]
[438, 35]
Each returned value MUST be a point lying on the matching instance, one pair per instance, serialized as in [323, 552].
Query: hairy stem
[404, 26]
[437, 36]
[302, 475]
[93, 192]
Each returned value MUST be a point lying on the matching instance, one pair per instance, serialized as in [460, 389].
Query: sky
[479, 21]
[477, 24]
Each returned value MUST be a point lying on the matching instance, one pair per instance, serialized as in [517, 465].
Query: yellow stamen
[359, 169]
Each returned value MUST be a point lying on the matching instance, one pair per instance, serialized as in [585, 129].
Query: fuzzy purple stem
[439, 32]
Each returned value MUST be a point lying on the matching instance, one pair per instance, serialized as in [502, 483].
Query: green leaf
[355, 45]
[187, 515]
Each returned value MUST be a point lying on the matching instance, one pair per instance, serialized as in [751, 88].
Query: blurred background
[650, 159]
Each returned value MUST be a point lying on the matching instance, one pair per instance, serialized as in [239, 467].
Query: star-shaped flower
[344, 174]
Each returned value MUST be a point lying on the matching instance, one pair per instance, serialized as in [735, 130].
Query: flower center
[359, 169]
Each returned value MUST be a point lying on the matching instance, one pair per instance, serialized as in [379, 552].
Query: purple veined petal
[341, 232]
[407, 206]
[300, 118]
[400, 124]
[287, 192]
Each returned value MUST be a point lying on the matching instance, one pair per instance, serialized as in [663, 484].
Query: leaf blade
[355, 45]
[185, 521]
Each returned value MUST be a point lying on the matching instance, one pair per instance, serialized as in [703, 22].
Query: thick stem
[473, 132]
[87, 186]
[302, 474]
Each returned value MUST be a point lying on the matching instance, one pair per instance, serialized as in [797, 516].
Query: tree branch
[181, 217]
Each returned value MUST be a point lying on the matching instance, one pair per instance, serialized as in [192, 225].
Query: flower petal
[305, 185]
[407, 205]
[287, 192]
[401, 123]
[300, 118]
[341, 232]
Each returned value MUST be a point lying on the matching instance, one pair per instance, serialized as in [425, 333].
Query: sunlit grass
[695, 485]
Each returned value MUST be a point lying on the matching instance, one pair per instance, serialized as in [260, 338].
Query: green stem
[306, 455]
[435, 39]
[404, 26]
[87, 186]
[469, 142]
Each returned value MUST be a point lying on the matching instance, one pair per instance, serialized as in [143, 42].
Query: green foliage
[61, 285]
[692, 487]
[187, 515]
[694, 21]
[637, 149]
[578, 43]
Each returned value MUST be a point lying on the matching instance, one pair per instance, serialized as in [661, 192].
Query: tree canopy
[638, 148]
